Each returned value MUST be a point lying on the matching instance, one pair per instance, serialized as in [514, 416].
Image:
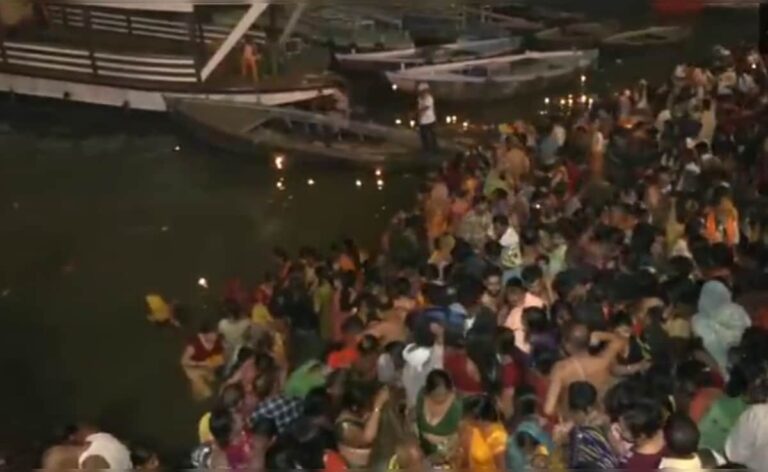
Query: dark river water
[99, 207]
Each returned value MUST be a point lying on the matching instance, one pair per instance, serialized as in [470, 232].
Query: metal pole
[89, 35]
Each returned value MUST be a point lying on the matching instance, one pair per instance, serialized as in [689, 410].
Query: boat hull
[140, 99]
[246, 130]
[389, 61]
[457, 87]
[661, 37]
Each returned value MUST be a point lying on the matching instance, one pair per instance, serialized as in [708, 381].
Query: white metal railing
[171, 69]
[139, 25]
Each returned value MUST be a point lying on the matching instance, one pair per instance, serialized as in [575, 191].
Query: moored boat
[577, 35]
[413, 57]
[494, 78]
[648, 37]
[97, 55]
[318, 137]
[541, 14]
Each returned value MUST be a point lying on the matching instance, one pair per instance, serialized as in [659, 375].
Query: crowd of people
[587, 295]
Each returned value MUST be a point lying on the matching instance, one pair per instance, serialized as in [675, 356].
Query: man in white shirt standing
[427, 118]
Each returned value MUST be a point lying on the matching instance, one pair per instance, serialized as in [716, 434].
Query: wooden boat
[513, 24]
[249, 128]
[648, 37]
[98, 54]
[494, 78]
[427, 27]
[350, 31]
[549, 16]
[730, 4]
[412, 57]
[577, 35]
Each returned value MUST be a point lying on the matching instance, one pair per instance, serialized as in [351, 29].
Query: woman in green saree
[438, 414]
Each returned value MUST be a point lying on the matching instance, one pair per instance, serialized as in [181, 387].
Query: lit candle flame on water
[583, 78]
[378, 172]
[310, 182]
[546, 100]
[279, 161]
[394, 87]
[398, 122]
[202, 282]
[358, 183]
[412, 123]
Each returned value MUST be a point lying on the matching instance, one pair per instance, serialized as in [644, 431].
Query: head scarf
[719, 322]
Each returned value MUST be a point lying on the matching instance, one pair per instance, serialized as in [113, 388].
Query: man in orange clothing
[721, 221]
[249, 62]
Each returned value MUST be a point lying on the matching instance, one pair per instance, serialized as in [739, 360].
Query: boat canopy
[181, 6]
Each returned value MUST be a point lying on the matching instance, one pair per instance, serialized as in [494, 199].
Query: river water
[99, 207]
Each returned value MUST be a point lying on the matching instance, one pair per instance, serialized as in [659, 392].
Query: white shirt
[748, 442]
[110, 448]
[426, 109]
[559, 134]
[510, 249]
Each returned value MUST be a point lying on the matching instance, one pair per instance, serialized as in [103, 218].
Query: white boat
[576, 35]
[648, 37]
[731, 4]
[413, 57]
[94, 52]
[494, 78]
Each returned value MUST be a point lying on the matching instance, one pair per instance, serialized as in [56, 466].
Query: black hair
[436, 379]
[536, 319]
[681, 435]
[500, 220]
[280, 253]
[544, 359]
[221, 425]
[469, 291]
[422, 331]
[231, 396]
[264, 427]
[526, 402]
[317, 402]
[482, 351]
[515, 283]
[644, 418]
[481, 408]
[395, 351]
[369, 344]
[491, 271]
[357, 396]
[352, 325]
[208, 326]
[582, 396]
[492, 249]
[505, 341]
[531, 274]
[720, 255]
[141, 455]
[560, 309]
[621, 319]
[621, 396]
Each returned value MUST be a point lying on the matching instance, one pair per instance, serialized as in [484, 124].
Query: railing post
[64, 15]
[129, 23]
[193, 26]
[89, 33]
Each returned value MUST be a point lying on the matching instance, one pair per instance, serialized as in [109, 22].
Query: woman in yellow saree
[483, 436]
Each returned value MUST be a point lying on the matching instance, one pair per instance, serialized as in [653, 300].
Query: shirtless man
[88, 449]
[581, 365]
[513, 161]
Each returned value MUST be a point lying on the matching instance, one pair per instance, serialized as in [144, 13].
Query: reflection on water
[99, 208]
